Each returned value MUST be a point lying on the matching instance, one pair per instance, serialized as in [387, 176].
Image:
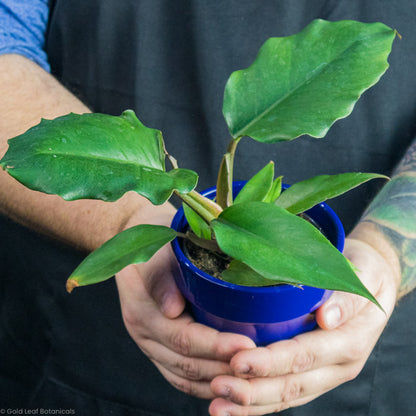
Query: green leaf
[275, 190]
[304, 195]
[283, 247]
[132, 246]
[197, 224]
[95, 156]
[225, 181]
[302, 84]
[258, 187]
[241, 274]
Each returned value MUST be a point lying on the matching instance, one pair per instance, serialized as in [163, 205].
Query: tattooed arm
[293, 372]
[393, 214]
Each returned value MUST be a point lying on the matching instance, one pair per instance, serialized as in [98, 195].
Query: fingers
[290, 373]
[182, 360]
[197, 388]
[350, 342]
[188, 367]
[188, 354]
[298, 355]
[190, 339]
[182, 335]
[253, 396]
[143, 289]
[272, 402]
[293, 372]
[224, 407]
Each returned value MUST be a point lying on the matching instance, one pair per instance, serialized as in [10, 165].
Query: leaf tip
[71, 284]
[396, 33]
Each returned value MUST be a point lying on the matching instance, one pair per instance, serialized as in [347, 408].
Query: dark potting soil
[208, 261]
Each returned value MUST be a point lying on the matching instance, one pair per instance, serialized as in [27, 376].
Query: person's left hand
[293, 372]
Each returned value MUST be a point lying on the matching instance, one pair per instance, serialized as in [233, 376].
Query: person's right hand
[189, 355]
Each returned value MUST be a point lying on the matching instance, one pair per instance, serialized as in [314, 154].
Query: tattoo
[393, 211]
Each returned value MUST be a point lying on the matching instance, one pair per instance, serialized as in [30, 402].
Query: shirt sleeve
[22, 29]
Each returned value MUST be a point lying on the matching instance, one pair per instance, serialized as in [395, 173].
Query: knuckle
[181, 343]
[292, 390]
[190, 369]
[303, 361]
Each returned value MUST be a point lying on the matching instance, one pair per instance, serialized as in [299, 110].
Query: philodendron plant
[298, 85]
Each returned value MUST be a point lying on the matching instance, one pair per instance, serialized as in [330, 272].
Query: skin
[392, 214]
[239, 378]
[189, 355]
[294, 372]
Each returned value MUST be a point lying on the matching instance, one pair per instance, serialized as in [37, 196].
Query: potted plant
[272, 245]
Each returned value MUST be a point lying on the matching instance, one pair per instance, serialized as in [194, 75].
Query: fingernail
[333, 316]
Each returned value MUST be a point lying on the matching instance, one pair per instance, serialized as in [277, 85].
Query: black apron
[169, 61]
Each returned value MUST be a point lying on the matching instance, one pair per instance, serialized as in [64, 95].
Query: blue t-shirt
[22, 29]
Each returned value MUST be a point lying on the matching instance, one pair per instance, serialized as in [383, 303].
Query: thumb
[158, 275]
[342, 306]
[338, 309]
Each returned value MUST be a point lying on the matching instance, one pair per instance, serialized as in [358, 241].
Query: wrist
[141, 211]
[369, 234]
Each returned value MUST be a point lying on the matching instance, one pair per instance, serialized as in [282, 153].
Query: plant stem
[225, 176]
[204, 207]
[210, 245]
[171, 159]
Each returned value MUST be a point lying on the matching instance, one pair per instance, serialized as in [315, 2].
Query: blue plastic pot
[265, 314]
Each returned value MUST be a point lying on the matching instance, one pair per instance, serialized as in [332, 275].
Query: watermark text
[36, 411]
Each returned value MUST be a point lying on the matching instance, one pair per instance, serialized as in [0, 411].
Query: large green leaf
[95, 156]
[302, 84]
[132, 246]
[283, 247]
[304, 195]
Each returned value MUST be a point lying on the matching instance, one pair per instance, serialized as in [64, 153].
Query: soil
[215, 263]
[208, 261]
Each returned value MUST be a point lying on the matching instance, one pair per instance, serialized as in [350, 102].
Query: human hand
[189, 355]
[293, 372]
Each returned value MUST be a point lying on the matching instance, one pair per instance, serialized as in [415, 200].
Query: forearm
[391, 221]
[29, 94]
